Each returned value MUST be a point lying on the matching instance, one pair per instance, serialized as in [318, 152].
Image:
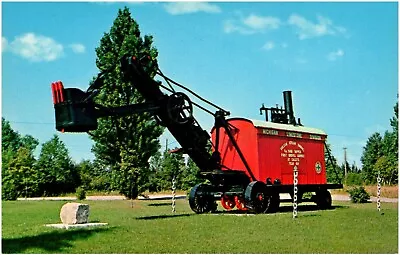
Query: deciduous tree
[56, 172]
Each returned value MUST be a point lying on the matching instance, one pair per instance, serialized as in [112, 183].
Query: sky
[340, 60]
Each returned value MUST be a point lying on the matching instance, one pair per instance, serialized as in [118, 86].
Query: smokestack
[287, 100]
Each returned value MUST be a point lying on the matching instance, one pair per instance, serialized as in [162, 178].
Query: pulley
[179, 108]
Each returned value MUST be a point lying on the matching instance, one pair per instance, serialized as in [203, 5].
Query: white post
[173, 194]
[295, 182]
[378, 196]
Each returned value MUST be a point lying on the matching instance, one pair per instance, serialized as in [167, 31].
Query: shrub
[358, 195]
[80, 193]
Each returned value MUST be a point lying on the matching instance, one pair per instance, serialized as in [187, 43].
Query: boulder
[74, 213]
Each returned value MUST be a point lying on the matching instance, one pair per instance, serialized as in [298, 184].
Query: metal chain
[173, 193]
[295, 182]
[378, 197]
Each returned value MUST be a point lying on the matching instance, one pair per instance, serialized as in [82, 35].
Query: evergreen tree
[125, 144]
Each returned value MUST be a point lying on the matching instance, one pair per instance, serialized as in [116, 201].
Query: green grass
[150, 227]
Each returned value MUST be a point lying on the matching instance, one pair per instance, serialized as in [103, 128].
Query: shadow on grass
[163, 198]
[159, 204]
[50, 242]
[287, 208]
[307, 208]
[164, 216]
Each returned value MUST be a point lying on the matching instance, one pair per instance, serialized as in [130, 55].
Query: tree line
[380, 156]
[54, 173]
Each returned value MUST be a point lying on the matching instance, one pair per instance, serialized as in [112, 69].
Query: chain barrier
[378, 196]
[173, 193]
[295, 182]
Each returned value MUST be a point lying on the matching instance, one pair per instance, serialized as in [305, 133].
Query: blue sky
[339, 59]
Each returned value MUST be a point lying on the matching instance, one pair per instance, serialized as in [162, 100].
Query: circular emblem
[318, 167]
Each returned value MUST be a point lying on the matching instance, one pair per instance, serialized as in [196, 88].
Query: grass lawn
[150, 227]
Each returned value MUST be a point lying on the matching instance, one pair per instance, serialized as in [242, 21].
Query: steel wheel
[323, 199]
[227, 202]
[239, 201]
[255, 197]
[200, 201]
[273, 202]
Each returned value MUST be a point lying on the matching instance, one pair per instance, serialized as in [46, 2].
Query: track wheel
[228, 202]
[323, 199]
[273, 202]
[255, 197]
[200, 200]
[239, 202]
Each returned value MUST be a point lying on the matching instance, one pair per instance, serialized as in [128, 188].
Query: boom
[76, 112]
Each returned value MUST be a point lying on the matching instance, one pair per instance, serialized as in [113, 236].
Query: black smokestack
[287, 100]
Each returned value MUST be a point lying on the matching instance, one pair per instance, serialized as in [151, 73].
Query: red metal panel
[274, 153]
[246, 137]
[280, 153]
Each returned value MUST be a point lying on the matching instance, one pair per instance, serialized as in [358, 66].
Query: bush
[358, 195]
[80, 193]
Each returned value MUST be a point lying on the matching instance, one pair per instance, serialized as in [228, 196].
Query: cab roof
[285, 127]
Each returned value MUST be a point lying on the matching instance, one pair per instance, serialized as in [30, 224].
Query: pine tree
[124, 144]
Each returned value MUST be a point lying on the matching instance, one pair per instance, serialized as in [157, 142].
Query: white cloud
[269, 45]
[230, 26]
[307, 29]
[77, 47]
[261, 23]
[36, 47]
[4, 44]
[252, 24]
[332, 56]
[191, 7]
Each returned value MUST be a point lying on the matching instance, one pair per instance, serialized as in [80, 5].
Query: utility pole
[345, 161]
